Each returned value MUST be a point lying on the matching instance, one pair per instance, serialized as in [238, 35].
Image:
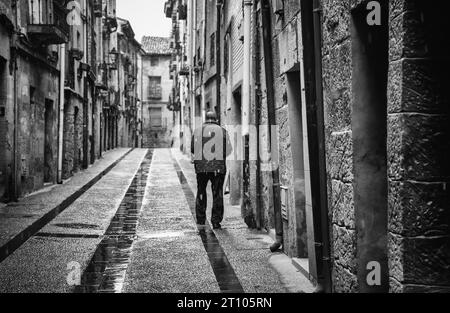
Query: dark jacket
[210, 147]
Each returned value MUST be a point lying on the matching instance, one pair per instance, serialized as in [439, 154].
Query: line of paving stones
[224, 272]
[107, 268]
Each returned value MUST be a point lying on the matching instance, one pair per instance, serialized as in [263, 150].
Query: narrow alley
[141, 236]
[312, 137]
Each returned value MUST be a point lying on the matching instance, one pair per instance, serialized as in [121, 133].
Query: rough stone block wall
[72, 145]
[285, 58]
[6, 125]
[337, 82]
[32, 121]
[418, 148]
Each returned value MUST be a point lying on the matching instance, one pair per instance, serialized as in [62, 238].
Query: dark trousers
[217, 181]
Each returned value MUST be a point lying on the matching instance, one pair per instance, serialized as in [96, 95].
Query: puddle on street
[162, 235]
[106, 270]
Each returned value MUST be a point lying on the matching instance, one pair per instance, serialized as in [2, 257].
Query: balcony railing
[48, 21]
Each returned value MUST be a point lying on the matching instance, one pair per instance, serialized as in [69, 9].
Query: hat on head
[211, 116]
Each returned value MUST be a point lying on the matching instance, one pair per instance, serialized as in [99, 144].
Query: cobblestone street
[127, 222]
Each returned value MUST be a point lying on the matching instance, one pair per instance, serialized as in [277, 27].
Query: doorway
[76, 140]
[92, 136]
[296, 128]
[236, 168]
[48, 141]
[370, 55]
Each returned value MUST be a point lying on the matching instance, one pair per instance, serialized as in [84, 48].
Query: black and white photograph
[200, 148]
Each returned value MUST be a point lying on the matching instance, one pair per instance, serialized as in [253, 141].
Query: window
[155, 117]
[78, 40]
[198, 107]
[32, 92]
[154, 61]
[212, 51]
[154, 88]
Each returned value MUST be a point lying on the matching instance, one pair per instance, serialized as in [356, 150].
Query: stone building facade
[81, 111]
[158, 121]
[6, 101]
[356, 93]
[127, 87]
[57, 67]
[30, 69]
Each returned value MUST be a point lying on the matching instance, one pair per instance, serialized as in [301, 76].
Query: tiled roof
[156, 45]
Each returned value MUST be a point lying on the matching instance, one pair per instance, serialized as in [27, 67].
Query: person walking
[210, 146]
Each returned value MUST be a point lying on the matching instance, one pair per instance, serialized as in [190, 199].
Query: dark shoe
[216, 226]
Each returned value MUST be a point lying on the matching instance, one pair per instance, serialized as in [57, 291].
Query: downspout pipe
[268, 64]
[62, 67]
[204, 53]
[15, 166]
[312, 65]
[246, 96]
[324, 229]
[257, 78]
[218, 63]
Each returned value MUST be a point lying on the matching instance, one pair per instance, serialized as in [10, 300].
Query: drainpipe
[85, 97]
[142, 102]
[256, 72]
[322, 192]
[268, 63]
[192, 30]
[205, 40]
[62, 66]
[312, 66]
[246, 68]
[246, 98]
[219, 4]
[13, 67]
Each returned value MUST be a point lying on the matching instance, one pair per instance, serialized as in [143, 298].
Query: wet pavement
[128, 225]
[106, 270]
[224, 272]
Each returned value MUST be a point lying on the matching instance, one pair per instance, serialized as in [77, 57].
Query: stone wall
[73, 136]
[160, 137]
[419, 145]
[337, 82]
[32, 142]
[285, 34]
[6, 117]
